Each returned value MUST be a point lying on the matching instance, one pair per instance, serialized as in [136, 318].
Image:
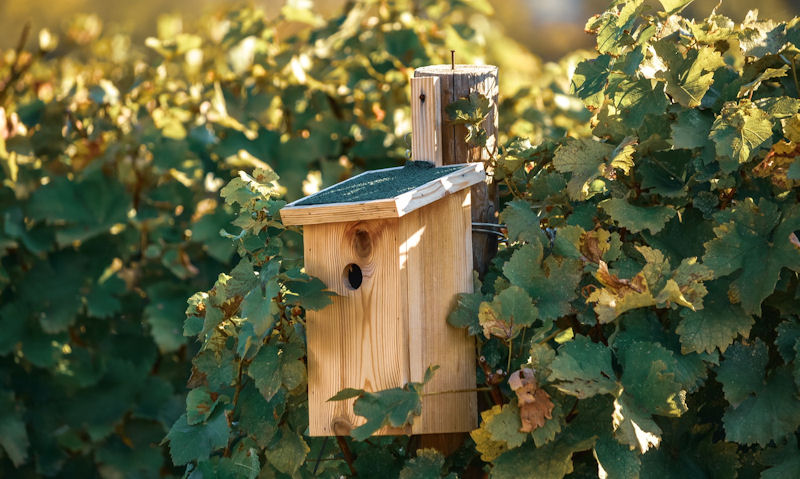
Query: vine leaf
[196, 442]
[499, 431]
[394, 407]
[289, 452]
[716, 325]
[427, 463]
[739, 132]
[688, 77]
[13, 436]
[637, 218]
[772, 414]
[583, 369]
[765, 234]
[535, 406]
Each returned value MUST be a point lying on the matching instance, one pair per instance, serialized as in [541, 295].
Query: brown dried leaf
[777, 162]
[594, 244]
[535, 406]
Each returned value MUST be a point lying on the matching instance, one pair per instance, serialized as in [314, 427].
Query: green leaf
[289, 453]
[199, 405]
[586, 160]
[589, 79]
[583, 369]
[13, 436]
[652, 383]
[691, 129]
[392, 407]
[637, 218]
[634, 427]
[510, 311]
[259, 417]
[83, 208]
[465, 312]
[672, 7]
[716, 325]
[265, 370]
[635, 99]
[522, 222]
[505, 426]
[784, 461]
[762, 231]
[551, 461]
[742, 371]
[738, 132]
[427, 464]
[189, 443]
[771, 415]
[260, 311]
[309, 294]
[615, 459]
[347, 393]
[613, 27]
[688, 77]
[550, 283]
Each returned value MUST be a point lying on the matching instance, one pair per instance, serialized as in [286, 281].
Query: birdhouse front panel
[356, 342]
[397, 264]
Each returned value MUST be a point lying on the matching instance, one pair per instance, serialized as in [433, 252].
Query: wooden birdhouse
[396, 247]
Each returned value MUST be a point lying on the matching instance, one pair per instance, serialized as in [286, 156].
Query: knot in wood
[362, 244]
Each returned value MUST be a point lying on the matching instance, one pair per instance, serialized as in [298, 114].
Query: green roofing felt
[381, 184]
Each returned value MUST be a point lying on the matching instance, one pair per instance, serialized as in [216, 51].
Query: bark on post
[457, 81]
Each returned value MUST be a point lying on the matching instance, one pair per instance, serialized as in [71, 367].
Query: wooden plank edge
[339, 212]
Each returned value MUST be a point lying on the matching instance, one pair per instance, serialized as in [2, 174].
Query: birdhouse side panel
[360, 340]
[436, 259]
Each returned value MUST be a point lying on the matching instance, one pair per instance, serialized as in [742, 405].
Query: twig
[17, 69]
[454, 391]
[319, 456]
[348, 456]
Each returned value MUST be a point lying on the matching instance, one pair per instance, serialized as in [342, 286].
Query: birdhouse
[395, 245]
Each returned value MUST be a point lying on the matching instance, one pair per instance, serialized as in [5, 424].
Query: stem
[319, 456]
[455, 391]
[348, 456]
[552, 335]
[235, 402]
[17, 69]
[510, 350]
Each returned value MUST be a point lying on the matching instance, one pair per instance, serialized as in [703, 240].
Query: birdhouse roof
[385, 193]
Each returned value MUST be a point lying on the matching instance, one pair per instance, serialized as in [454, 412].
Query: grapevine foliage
[650, 280]
[641, 321]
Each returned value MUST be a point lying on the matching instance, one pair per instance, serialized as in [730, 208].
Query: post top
[460, 68]
[343, 201]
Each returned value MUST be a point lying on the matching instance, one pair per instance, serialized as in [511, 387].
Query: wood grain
[359, 340]
[456, 83]
[426, 120]
[436, 262]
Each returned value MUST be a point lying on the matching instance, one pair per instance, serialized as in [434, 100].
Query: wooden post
[426, 120]
[459, 81]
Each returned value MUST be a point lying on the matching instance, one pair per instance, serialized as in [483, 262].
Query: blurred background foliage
[548, 28]
[113, 150]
